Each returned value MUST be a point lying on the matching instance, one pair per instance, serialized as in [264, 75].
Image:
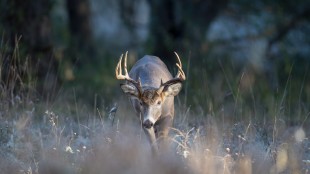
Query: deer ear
[172, 90]
[130, 90]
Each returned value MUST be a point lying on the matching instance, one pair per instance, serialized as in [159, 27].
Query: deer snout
[148, 124]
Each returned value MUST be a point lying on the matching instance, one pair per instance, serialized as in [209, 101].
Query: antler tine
[118, 69]
[120, 76]
[178, 78]
[179, 60]
[125, 64]
[180, 73]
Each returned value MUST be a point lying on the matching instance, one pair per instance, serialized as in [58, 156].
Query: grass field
[219, 135]
[37, 138]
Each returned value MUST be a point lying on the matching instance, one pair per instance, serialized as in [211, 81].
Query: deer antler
[180, 74]
[178, 78]
[120, 76]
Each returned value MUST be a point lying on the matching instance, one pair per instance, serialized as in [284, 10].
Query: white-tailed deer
[152, 99]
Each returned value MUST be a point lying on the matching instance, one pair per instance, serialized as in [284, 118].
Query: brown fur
[151, 102]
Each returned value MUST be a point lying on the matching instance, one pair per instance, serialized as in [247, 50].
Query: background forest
[247, 90]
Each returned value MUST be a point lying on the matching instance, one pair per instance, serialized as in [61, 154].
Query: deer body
[151, 70]
[152, 99]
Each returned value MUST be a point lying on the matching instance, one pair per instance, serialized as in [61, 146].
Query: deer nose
[148, 124]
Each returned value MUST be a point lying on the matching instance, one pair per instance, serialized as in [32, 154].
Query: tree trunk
[178, 25]
[166, 30]
[81, 35]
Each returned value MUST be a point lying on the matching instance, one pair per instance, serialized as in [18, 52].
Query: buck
[152, 100]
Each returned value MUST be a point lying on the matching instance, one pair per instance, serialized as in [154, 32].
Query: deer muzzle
[148, 123]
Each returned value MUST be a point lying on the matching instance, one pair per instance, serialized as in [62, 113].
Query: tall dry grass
[67, 137]
[58, 144]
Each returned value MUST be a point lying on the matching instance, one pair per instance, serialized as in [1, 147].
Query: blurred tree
[302, 13]
[30, 23]
[294, 14]
[176, 25]
[81, 44]
[283, 18]
[128, 14]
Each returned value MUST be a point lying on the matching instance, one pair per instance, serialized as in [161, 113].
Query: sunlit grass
[59, 144]
[228, 131]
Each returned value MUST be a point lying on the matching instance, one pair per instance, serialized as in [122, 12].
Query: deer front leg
[163, 129]
[150, 134]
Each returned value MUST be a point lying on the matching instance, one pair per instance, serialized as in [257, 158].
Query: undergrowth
[227, 134]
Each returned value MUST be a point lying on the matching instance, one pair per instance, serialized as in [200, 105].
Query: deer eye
[140, 102]
[159, 102]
